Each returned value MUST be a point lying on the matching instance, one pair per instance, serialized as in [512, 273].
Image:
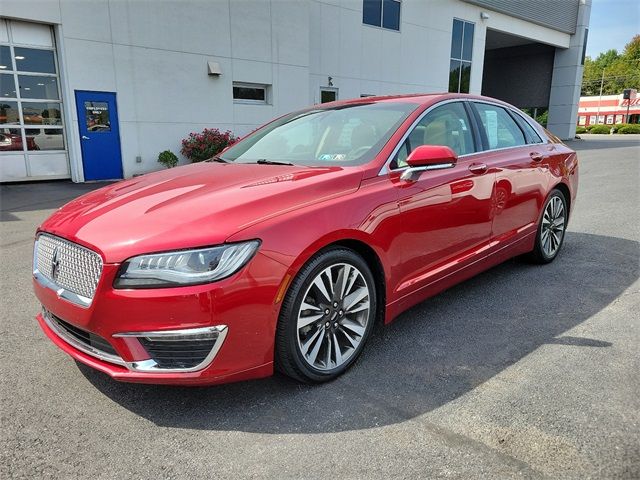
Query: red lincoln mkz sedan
[286, 249]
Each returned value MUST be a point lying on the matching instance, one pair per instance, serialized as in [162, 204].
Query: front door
[444, 213]
[99, 135]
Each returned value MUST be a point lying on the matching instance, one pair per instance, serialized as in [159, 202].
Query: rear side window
[501, 130]
[529, 132]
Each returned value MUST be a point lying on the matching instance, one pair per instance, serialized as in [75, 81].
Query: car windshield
[343, 135]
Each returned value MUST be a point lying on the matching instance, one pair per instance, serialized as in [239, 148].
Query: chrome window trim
[68, 295]
[408, 174]
[88, 349]
[385, 168]
[150, 366]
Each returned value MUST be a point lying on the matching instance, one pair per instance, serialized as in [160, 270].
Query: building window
[461, 52]
[251, 93]
[381, 13]
[328, 94]
[30, 101]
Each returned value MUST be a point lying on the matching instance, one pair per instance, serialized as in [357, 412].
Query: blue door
[99, 135]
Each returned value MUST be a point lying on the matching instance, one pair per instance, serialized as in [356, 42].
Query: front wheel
[551, 229]
[326, 317]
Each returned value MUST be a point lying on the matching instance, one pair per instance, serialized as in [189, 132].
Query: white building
[95, 89]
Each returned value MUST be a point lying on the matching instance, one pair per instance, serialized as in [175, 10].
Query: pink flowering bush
[210, 142]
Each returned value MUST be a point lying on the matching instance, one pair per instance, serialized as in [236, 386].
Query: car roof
[418, 98]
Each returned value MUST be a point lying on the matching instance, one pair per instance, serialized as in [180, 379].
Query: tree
[620, 70]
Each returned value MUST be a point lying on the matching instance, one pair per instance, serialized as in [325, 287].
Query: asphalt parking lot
[521, 372]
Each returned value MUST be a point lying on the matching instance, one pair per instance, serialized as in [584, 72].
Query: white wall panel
[252, 71]
[171, 87]
[48, 164]
[290, 89]
[75, 14]
[330, 46]
[45, 11]
[89, 65]
[12, 167]
[251, 30]
[350, 59]
[194, 26]
[290, 30]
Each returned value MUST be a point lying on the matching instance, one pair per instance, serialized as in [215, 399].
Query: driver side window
[446, 125]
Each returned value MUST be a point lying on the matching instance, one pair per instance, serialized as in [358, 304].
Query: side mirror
[428, 157]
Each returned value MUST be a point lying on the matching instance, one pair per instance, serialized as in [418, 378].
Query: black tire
[288, 356]
[539, 255]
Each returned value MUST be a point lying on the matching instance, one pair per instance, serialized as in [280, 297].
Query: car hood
[195, 205]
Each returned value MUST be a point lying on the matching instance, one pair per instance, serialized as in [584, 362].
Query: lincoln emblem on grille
[55, 264]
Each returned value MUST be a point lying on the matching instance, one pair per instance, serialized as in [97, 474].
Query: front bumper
[192, 353]
[240, 310]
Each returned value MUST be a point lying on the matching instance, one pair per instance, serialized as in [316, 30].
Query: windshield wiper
[216, 158]
[264, 161]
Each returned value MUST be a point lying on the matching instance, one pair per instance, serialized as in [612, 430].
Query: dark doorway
[517, 70]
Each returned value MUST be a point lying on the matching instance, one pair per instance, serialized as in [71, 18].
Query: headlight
[185, 267]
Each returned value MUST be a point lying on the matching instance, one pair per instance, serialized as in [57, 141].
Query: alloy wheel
[333, 316]
[553, 223]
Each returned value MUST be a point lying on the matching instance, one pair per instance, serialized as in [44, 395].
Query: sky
[613, 23]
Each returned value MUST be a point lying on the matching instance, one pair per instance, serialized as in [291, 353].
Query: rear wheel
[326, 317]
[551, 230]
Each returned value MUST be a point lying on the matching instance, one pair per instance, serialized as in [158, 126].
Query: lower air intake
[171, 353]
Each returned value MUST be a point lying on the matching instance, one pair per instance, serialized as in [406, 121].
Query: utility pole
[600, 98]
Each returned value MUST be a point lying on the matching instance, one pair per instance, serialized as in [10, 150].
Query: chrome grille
[68, 265]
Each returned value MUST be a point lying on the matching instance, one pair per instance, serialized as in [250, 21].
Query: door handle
[536, 157]
[478, 168]
[84, 137]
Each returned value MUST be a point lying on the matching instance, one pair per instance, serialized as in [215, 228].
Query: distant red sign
[635, 101]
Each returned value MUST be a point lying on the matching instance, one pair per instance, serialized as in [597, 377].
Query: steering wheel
[353, 154]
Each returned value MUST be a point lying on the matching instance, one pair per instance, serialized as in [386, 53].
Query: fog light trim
[218, 333]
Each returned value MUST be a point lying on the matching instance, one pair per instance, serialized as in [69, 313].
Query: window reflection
[5, 58]
[7, 86]
[461, 55]
[9, 112]
[32, 123]
[97, 116]
[45, 139]
[32, 86]
[40, 113]
[10, 139]
[34, 60]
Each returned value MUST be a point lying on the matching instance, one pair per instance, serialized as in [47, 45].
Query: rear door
[444, 213]
[516, 162]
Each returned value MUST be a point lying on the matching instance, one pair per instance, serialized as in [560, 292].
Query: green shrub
[629, 128]
[600, 129]
[589, 127]
[580, 130]
[543, 118]
[618, 126]
[168, 159]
